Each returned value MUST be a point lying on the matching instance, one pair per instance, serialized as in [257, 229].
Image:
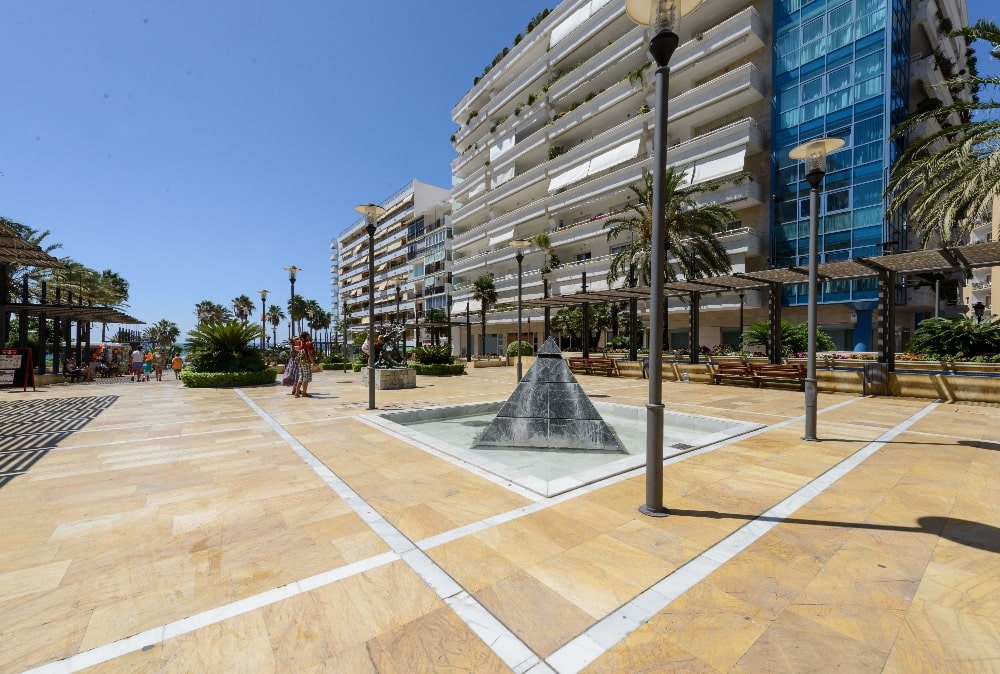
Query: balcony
[604, 68]
[925, 70]
[579, 36]
[724, 95]
[744, 241]
[745, 133]
[730, 42]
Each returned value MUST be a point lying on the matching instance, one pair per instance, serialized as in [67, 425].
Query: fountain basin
[547, 472]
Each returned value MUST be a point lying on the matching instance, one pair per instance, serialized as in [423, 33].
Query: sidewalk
[156, 528]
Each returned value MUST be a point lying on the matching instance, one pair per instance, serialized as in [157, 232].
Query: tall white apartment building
[553, 135]
[411, 272]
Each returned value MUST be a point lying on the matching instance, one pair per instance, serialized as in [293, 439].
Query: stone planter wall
[395, 378]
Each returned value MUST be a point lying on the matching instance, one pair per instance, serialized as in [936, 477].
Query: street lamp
[343, 328]
[468, 335]
[263, 316]
[520, 245]
[814, 155]
[292, 271]
[742, 297]
[372, 213]
[979, 308]
[663, 19]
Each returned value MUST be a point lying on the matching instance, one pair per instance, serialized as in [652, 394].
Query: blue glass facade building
[840, 70]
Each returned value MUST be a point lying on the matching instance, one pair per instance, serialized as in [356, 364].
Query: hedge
[227, 379]
[439, 369]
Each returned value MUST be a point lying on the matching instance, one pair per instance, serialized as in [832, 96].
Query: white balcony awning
[602, 162]
[500, 238]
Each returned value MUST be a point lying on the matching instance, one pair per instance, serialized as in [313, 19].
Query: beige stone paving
[167, 502]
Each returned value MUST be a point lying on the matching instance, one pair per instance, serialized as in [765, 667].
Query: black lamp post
[663, 18]
[468, 335]
[814, 154]
[520, 245]
[263, 317]
[979, 308]
[742, 296]
[292, 271]
[371, 213]
[343, 327]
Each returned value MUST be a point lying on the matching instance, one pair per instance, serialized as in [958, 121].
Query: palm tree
[688, 226]
[950, 177]
[485, 292]
[208, 311]
[243, 306]
[275, 316]
[436, 316]
[297, 307]
[162, 333]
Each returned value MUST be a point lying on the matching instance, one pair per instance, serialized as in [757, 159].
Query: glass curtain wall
[840, 70]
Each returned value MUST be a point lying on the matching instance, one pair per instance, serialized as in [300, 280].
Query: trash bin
[876, 381]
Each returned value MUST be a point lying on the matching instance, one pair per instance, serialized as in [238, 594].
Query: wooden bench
[592, 365]
[735, 372]
[780, 373]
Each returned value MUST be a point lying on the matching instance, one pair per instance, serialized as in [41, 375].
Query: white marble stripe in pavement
[615, 627]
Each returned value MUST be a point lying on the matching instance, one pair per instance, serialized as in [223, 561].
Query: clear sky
[198, 147]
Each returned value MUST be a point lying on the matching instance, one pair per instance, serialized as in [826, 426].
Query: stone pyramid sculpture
[549, 410]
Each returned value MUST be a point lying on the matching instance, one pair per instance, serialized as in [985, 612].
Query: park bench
[734, 372]
[592, 365]
[71, 376]
[780, 373]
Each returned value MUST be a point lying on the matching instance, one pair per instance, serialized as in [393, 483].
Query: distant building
[406, 237]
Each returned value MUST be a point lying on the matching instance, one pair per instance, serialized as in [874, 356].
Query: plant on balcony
[472, 115]
[643, 109]
[956, 183]
[635, 75]
[556, 150]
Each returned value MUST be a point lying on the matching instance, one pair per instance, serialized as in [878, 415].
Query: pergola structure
[16, 251]
[886, 268]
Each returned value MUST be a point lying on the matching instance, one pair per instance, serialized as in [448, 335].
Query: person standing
[137, 360]
[177, 363]
[303, 352]
[159, 361]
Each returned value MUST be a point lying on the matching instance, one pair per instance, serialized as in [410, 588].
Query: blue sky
[197, 148]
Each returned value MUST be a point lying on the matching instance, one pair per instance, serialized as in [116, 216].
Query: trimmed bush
[439, 369]
[193, 379]
[526, 349]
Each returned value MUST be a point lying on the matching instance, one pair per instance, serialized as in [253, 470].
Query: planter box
[390, 379]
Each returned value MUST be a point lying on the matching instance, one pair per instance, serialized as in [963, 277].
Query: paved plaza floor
[146, 527]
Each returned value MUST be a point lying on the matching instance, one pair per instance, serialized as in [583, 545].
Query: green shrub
[432, 354]
[223, 346]
[942, 338]
[794, 337]
[193, 379]
[356, 367]
[526, 349]
[439, 369]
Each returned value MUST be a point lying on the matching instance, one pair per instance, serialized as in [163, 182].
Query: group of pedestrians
[298, 370]
[157, 362]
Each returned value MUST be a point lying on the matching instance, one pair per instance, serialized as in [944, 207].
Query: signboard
[16, 368]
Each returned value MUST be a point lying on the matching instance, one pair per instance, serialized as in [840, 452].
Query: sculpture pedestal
[402, 377]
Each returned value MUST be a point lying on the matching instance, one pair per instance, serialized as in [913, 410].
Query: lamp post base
[653, 512]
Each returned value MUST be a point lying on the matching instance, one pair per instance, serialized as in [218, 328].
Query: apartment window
[616, 250]
[580, 257]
